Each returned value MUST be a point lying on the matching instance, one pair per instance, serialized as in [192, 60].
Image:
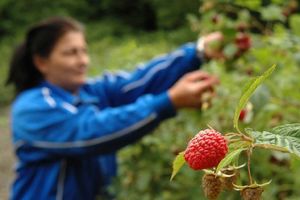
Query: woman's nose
[83, 58]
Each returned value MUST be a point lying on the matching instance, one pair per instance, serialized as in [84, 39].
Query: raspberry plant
[202, 152]
[145, 166]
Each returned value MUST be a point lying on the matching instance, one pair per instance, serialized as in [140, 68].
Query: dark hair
[40, 41]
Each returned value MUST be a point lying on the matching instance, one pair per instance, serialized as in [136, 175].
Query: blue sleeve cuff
[196, 54]
[164, 106]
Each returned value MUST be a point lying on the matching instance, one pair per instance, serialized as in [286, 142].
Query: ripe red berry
[243, 41]
[205, 150]
[242, 114]
[246, 113]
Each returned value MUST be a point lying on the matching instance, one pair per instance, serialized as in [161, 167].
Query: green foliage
[249, 90]
[173, 13]
[177, 164]
[274, 103]
[272, 12]
[288, 130]
[284, 138]
[295, 24]
[6, 93]
[229, 159]
[16, 16]
[140, 14]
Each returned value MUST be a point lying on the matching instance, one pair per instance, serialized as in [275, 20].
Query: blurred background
[122, 34]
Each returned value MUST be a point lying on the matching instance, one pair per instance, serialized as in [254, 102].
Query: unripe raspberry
[206, 150]
[242, 27]
[229, 181]
[215, 19]
[212, 186]
[252, 193]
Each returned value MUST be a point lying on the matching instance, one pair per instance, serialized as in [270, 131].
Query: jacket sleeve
[154, 77]
[47, 132]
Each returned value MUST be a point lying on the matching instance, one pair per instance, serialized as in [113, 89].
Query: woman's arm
[154, 77]
[42, 131]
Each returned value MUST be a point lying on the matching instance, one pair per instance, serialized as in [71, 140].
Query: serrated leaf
[177, 164]
[288, 129]
[250, 88]
[229, 158]
[287, 142]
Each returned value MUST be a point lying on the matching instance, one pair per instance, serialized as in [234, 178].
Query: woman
[66, 129]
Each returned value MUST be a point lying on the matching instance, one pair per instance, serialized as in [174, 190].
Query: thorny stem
[249, 152]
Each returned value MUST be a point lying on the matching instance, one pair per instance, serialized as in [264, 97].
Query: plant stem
[246, 138]
[232, 134]
[249, 151]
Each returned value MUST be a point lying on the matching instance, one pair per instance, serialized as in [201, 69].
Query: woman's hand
[212, 45]
[188, 91]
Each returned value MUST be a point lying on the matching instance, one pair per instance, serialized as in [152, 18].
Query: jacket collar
[56, 90]
[82, 97]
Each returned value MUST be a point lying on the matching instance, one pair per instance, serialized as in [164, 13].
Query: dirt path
[6, 154]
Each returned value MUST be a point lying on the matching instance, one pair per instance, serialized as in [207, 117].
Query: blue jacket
[66, 144]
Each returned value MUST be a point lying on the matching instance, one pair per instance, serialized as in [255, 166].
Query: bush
[146, 167]
[141, 14]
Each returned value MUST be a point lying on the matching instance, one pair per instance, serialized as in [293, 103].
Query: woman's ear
[40, 63]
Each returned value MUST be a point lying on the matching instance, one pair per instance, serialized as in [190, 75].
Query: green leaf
[288, 129]
[229, 158]
[272, 12]
[177, 164]
[294, 21]
[284, 138]
[230, 50]
[249, 89]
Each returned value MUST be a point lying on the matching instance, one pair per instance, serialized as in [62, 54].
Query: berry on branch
[206, 150]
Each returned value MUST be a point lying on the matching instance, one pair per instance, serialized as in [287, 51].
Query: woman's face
[66, 66]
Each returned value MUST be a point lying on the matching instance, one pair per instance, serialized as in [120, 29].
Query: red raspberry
[206, 150]
[243, 41]
[243, 114]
